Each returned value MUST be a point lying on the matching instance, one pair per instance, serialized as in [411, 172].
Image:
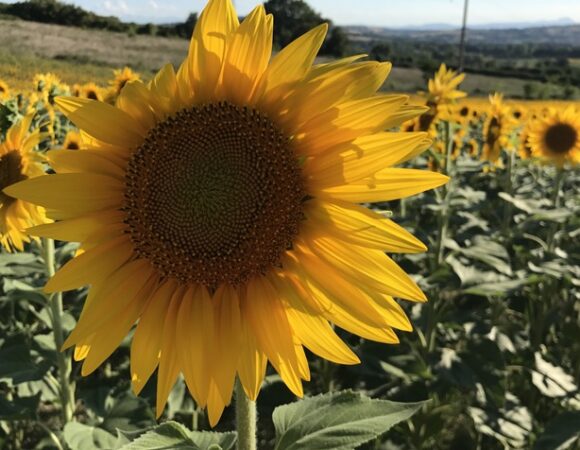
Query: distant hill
[554, 35]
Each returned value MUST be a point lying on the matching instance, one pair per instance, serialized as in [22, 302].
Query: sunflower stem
[433, 309]
[66, 388]
[556, 204]
[509, 188]
[246, 419]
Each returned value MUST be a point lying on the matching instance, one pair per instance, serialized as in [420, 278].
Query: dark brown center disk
[561, 138]
[10, 172]
[214, 195]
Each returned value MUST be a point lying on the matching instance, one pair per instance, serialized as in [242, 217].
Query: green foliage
[339, 421]
[535, 63]
[56, 12]
[292, 18]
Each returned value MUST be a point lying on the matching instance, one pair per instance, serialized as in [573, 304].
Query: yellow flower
[217, 206]
[442, 92]
[4, 90]
[72, 141]
[49, 86]
[122, 77]
[497, 128]
[556, 136]
[88, 90]
[18, 162]
[443, 87]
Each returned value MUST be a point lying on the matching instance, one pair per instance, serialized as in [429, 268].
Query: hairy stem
[246, 418]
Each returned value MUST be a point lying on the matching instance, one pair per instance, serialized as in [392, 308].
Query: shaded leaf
[339, 421]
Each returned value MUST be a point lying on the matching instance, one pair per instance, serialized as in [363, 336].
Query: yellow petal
[146, 344]
[81, 193]
[317, 97]
[195, 332]
[252, 364]
[120, 293]
[102, 121]
[387, 184]
[108, 339]
[292, 63]
[367, 267]
[347, 321]
[267, 318]
[88, 161]
[364, 157]
[78, 229]
[247, 56]
[343, 293]
[208, 46]
[93, 265]
[312, 330]
[168, 367]
[361, 226]
[348, 121]
[228, 335]
[135, 100]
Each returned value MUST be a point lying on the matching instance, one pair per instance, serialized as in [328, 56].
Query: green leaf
[501, 288]
[169, 435]
[339, 421]
[560, 433]
[17, 361]
[551, 380]
[128, 413]
[20, 408]
[207, 439]
[85, 437]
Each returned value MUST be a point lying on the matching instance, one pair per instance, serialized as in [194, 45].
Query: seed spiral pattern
[561, 138]
[214, 195]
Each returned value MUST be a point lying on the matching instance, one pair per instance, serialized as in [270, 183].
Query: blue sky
[388, 13]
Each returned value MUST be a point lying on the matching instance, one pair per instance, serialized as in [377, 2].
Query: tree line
[292, 18]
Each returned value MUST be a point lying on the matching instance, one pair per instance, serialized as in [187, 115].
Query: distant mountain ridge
[564, 21]
[568, 35]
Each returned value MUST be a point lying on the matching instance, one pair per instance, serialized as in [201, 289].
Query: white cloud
[116, 7]
[153, 4]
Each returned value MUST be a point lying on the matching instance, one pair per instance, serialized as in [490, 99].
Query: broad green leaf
[85, 437]
[207, 439]
[128, 413]
[18, 364]
[560, 433]
[169, 435]
[551, 380]
[338, 421]
[499, 289]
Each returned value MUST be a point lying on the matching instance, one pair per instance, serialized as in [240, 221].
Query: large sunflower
[217, 207]
[18, 162]
[556, 136]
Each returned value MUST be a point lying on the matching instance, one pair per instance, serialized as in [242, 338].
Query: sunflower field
[258, 253]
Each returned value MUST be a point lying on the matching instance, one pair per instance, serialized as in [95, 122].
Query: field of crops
[490, 361]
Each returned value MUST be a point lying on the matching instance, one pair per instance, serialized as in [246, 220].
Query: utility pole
[463, 32]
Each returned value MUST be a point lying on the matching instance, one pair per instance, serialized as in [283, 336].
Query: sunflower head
[49, 86]
[90, 91]
[121, 78]
[18, 162]
[218, 207]
[497, 129]
[72, 140]
[556, 136]
[443, 86]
